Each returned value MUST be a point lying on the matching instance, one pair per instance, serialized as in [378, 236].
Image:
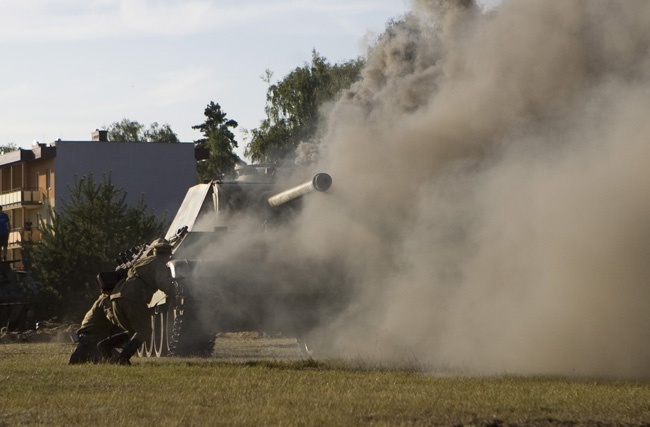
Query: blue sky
[68, 67]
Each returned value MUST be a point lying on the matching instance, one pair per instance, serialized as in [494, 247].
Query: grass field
[267, 382]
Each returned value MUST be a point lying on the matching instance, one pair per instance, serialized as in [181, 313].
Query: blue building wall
[160, 172]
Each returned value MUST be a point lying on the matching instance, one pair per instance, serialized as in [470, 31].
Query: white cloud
[13, 93]
[177, 86]
[70, 66]
[164, 17]
[52, 20]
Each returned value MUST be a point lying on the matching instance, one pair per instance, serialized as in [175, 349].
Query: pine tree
[84, 237]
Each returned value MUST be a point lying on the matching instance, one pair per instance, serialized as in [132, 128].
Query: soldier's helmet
[162, 248]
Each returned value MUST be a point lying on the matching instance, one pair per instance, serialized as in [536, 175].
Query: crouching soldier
[130, 297]
[98, 324]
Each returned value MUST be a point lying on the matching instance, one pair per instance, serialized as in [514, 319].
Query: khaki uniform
[131, 295]
[98, 323]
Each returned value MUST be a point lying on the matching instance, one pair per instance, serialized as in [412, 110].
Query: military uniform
[131, 296]
[98, 324]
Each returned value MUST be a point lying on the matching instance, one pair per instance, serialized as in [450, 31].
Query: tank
[215, 294]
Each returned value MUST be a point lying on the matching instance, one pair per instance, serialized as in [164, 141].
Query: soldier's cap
[162, 248]
[108, 279]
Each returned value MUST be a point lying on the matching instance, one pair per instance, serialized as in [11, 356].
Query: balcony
[19, 236]
[21, 197]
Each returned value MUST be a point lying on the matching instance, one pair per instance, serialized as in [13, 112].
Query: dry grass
[267, 382]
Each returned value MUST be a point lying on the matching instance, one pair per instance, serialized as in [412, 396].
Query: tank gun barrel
[320, 182]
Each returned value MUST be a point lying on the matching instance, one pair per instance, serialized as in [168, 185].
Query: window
[48, 180]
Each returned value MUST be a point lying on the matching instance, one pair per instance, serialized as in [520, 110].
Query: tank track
[188, 335]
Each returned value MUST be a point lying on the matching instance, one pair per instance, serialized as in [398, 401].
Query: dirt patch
[44, 332]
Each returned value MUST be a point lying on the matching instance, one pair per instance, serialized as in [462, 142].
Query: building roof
[38, 151]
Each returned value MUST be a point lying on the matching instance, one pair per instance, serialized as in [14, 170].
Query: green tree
[293, 104]
[219, 142]
[158, 133]
[7, 148]
[126, 131]
[84, 237]
[132, 131]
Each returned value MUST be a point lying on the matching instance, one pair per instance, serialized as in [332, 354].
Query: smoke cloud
[490, 206]
[490, 211]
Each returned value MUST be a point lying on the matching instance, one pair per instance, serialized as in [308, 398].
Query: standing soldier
[5, 228]
[131, 296]
[98, 324]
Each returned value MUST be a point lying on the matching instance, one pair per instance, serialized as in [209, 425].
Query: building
[32, 180]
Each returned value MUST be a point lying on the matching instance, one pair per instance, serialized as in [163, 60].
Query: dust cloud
[490, 211]
[491, 206]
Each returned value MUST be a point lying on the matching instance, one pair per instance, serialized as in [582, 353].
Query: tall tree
[293, 105]
[220, 143]
[132, 131]
[84, 237]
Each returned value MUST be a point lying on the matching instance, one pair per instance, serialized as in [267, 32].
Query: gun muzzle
[320, 182]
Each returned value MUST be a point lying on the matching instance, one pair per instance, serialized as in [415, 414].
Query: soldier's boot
[107, 345]
[80, 354]
[129, 350]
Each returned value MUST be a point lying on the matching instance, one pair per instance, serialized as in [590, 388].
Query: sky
[72, 66]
